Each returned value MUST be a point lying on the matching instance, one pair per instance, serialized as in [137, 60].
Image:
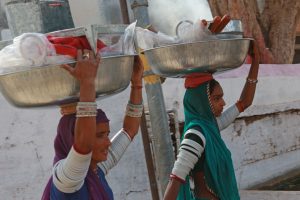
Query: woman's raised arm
[135, 105]
[249, 89]
[85, 72]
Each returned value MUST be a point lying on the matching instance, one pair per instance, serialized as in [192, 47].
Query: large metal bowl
[211, 56]
[52, 85]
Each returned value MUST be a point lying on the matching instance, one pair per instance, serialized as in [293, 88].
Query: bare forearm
[248, 92]
[131, 124]
[249, 89]
[172, 190]
[136, 93]
[85, 127]
[134, 108]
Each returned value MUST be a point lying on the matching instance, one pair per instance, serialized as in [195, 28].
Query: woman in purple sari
[83, 151]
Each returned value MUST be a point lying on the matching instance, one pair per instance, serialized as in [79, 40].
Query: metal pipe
[124, 11]
[159, 121]
[149, 159]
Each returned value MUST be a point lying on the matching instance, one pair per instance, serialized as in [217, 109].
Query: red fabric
[196, 79]
[173, 176]
[70, 45]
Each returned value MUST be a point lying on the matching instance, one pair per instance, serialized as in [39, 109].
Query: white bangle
[86, 109]
[252, 81]
[86, 114]
[86, 104]
[134, 110]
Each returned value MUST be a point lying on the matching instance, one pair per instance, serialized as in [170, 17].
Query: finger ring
[86, 55]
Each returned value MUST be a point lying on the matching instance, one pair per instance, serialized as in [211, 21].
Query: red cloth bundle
[70, 45]
[196, 79]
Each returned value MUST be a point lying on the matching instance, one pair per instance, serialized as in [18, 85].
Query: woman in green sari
[203, 157]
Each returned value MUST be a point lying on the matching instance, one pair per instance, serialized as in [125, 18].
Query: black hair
[212, 84]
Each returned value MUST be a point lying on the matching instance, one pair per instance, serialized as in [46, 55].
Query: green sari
[217, 165]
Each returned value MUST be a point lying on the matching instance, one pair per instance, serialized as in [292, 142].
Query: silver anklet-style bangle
[86, 114]
[86, 109]
[252, 81]
[87, 104]
[134, 110]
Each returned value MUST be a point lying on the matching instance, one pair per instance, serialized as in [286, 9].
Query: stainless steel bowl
[52, 85]
[207, 56]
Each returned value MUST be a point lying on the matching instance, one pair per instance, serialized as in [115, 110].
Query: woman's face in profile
[102, 143]
[217, 100]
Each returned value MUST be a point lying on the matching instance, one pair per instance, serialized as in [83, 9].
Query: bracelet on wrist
[134, 110]
[252, 81]
[86, 109]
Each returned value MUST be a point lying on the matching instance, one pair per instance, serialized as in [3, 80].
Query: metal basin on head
[52, 85]
[212, 56]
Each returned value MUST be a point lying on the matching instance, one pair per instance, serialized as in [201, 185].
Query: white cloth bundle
[125, 44]
[186, 32]
[27, 50]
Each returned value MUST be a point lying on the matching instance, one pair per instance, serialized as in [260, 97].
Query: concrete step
[269, 195]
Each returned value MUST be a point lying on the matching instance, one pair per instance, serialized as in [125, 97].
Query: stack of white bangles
[86, 109]
[134, 110]
[193, 144]
[189, 153]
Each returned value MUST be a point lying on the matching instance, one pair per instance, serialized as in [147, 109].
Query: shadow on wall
[297, 48]
[287, 182]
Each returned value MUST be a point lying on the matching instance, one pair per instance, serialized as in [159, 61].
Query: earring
[209, 100]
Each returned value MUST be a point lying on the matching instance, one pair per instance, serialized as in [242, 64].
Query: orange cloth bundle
[196, 79]
[70, 45]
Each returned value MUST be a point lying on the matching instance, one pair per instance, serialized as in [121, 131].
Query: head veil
[217, 165]
[62, 145]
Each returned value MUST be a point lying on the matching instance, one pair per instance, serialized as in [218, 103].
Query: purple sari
[62, 145]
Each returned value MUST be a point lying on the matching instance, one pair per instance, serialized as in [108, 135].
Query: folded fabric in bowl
[28, 50]
[69, 45]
